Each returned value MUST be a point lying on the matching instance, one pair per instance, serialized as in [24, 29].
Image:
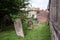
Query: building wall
[31, 13]
[42, 16]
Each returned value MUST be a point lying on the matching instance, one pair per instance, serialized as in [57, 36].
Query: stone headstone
[18, 27]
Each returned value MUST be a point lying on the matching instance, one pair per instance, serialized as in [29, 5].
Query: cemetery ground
[39, 32]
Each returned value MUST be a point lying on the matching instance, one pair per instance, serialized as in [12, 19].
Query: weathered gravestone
[30, 24]
[18, 27]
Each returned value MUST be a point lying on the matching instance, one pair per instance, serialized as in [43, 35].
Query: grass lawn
[40, 32]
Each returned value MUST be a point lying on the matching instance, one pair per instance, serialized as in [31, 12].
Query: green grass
[40, 32]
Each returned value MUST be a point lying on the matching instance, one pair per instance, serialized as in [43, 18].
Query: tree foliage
[11, 8]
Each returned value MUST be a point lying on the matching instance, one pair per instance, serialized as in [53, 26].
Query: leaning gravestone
[18, 27]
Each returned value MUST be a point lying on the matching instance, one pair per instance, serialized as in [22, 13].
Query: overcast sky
[42, 4]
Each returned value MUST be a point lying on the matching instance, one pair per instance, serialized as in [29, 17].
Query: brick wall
[42, 16]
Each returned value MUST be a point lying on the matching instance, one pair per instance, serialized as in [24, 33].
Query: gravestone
[18, 27]
[30, 24]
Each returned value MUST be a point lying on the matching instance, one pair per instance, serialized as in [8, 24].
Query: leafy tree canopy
[12, 7]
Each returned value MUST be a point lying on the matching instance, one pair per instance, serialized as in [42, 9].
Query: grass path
[40, 32]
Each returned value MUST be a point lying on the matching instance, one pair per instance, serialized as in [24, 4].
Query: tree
[11, 8]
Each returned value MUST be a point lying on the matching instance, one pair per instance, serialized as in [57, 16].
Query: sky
[42, 4]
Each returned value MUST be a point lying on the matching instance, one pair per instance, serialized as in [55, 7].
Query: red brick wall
[42, 16]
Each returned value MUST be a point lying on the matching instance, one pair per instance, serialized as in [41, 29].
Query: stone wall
[55, 19]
